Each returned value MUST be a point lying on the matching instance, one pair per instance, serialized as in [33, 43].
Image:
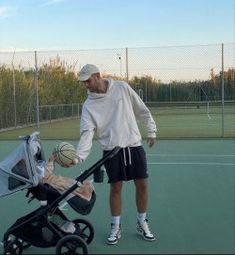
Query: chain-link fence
[35, 86]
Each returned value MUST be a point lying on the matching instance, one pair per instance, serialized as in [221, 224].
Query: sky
[109, 24]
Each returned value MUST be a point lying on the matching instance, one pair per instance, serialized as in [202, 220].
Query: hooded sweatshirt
[112, 117]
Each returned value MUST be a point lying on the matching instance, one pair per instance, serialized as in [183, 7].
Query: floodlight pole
[37, 93]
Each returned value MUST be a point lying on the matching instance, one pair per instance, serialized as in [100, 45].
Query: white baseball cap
[87, 71]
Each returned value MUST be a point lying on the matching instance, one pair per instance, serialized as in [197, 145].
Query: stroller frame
[60, 239]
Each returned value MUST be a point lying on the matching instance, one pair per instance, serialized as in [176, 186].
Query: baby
[61, 183]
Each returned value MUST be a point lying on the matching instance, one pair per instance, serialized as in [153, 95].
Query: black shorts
[128, 164]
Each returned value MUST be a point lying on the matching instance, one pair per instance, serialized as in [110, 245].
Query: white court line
[192, 155]
[192, 163]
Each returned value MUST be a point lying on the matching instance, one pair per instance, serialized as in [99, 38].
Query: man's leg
[141, 195]
[115, 200]
[142, 226]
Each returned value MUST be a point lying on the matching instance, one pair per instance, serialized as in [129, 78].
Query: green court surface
[191, 200]
[172, 122]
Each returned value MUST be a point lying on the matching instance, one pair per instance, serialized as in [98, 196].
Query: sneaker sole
[114, 242]
[145, 238]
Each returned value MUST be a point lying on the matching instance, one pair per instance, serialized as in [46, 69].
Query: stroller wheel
[71, 245]
[13, 247]
[25, 245]
[84, 229]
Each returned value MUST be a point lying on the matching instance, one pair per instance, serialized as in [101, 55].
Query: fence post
[222, 89]
[37, 92]
[14, 88]
[78, 111]
[127, 71]
[146, 91]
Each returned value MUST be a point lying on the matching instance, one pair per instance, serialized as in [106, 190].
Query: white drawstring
[129, 156]
[124, 156]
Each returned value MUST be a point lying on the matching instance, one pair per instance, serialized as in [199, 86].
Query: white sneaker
[115, 234]
[142, 228]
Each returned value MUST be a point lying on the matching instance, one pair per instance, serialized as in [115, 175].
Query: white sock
[115, 220]
[141, 216]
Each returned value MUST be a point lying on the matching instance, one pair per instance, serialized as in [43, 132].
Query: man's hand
[151, 141]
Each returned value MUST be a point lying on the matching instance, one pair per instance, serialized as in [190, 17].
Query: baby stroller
[47, 226]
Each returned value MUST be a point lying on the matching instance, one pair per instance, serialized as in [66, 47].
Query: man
[110, 113]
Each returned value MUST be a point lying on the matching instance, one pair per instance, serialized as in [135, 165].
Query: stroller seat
[45, 192]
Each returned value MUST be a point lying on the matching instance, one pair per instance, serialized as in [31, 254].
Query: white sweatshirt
[112, 118]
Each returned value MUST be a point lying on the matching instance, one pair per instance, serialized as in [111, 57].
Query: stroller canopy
[21, 169]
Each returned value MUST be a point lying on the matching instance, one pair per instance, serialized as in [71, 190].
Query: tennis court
[174, 120]
[191, 200]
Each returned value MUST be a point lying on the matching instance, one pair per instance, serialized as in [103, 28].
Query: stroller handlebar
[113, 152]
[98, 164]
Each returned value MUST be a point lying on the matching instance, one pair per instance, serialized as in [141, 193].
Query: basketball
[64, 153]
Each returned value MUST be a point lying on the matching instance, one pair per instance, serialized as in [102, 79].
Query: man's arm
[143, 114]
[84, 145]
